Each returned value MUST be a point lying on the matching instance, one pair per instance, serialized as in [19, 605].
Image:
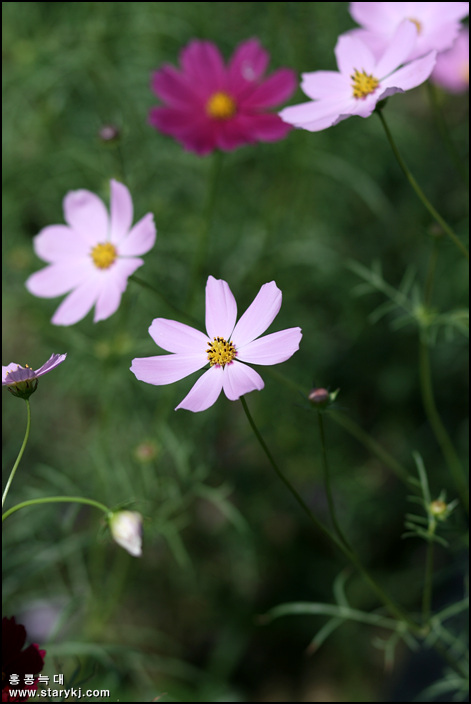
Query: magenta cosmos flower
[210, 106]
[227, 347]
[437, 23]
[451, 71]
[92, 256]
[23, 381]
[361, 82]
[18, 663]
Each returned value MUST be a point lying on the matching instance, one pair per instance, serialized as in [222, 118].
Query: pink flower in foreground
[92, 256]
[451, 71]
[227, 347]
[361, 82]
[437, 23]
[210, 106]
[23, 381]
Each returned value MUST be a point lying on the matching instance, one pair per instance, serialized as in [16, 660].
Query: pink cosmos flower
[362, 81]
[437, 23]
[451, 71]
[92, 256]
[210, 106]
[227, 346]
[23, 381]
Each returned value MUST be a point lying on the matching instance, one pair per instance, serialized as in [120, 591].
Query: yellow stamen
[363, 84]
[220, 106]
[220, 352]
[104, 255]
[417, 24]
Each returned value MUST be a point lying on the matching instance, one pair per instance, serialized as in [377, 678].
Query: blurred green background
[223, 540]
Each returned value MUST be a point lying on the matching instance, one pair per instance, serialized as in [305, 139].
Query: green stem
[202, 238]
[449, 453]
[390, 605]
[431, 273]
[328, 487]
[442, 128]
[180, 313]
[20, 454]
[57, 499]
[420, 194]
[428, 582]
[367, 441]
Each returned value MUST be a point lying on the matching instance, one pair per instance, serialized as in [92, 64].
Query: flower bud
[126, 529]
[321, 398]
[109, 133]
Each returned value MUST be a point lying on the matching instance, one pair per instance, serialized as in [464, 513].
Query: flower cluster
[394, 51]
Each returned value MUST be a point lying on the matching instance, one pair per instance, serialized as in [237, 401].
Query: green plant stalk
[20, 454]
[202, 238]
[178, 311]
[367, 441]
[428, 581]
[390, 605]
[57, 499]
[328, 486]
[448, 451]
[420, 194]
[442, 128]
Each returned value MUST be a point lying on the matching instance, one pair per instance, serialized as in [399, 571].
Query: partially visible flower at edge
[23, 381]
[361, 81]
[227, 347]
[92, 256]
[210, 106]
[451, 71]
[437, 23]
[16, 661]
[126, 529]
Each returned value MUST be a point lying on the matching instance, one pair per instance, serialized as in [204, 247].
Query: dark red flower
[16, 661]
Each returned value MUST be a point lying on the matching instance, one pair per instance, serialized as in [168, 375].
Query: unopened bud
[320, 397]
[109, 133]
[126, 529]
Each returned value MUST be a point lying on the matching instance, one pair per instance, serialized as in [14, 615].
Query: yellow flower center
[363, 84]
[417, 24]
[104, 255]
[220, 106]
[220, 352]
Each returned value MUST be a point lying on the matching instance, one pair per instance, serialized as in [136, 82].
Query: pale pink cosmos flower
[92, 256]
[437, 23]
[361, 82]
[23, 381]
[227, 347]
[212, 106]
[451, 71]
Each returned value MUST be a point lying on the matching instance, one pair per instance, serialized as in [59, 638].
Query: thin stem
[328, 487]
[367, 441]
[449, 453]
[202, 237]
[442, 128]
[285, 481]
[180, 313]
[428, 582]
[20, 454]
[55, 500]
[420, 194]
[393, 608]
[431, 273]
